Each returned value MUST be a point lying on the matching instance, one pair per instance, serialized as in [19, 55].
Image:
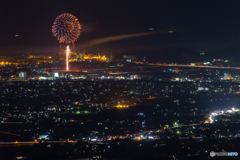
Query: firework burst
[66, 28]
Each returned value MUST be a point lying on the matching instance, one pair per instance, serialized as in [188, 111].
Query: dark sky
[212, 26]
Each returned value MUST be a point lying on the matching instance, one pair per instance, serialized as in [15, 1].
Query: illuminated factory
[39, 59]
[91, 57]
[78, 57]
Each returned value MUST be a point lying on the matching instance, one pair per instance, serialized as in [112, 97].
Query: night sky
[212, 27]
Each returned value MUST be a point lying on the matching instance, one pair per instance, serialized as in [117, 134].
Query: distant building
[22, 74]
[219, 60]
[43, 137]
[129, 58]
[134, 76]
[56, 74]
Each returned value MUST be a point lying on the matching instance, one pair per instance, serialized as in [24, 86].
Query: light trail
[158, 97]
[182, 65]
[186, 125]
[35, 142]
[67, 53]
[10, 133]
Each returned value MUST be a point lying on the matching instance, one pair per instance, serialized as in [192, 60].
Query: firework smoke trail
[120, 37]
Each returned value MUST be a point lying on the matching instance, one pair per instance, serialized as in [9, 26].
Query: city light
[56, 74]
[121, 106]
[95, 57]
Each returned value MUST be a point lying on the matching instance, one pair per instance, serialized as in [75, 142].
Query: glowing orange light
[67, 53]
